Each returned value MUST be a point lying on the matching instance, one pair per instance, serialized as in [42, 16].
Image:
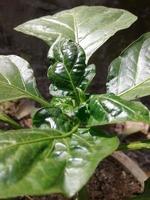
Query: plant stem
[83, 194]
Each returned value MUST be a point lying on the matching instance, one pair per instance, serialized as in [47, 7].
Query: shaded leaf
[53, 118]
[109, 109]
[32, 163]
[129, 74]
[90, 72]
[16, 79]
[88, 26]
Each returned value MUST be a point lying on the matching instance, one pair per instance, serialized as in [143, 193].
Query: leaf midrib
[44, 139]
[117, 102]
[134, 87]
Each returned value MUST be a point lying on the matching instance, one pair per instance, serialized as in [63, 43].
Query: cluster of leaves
[62, 150]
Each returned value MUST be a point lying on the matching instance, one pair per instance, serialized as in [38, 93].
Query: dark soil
[112, 182]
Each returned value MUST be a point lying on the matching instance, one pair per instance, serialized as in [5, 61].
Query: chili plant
[62, 150]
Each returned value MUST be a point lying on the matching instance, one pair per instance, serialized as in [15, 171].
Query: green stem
[135, 145]
[83, 194]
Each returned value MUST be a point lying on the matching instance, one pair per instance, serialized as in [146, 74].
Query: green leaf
[88, 26]
[90, 72]
[7, 119]
[32, 163]
[17, 80]
[55, 92]
[66, 104]
[143, 144]
[68, 66]
[129, 74]
[53, 118]
[109, 109]
[68, 72]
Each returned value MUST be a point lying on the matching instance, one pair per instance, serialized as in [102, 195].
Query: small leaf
[33, 163]
[68, 72]
[54, 91]
[66, 104]
[109, 109]
[129, 74]
[88, 26]
[68, 66]
[53, 118]
[143, 144]
[90, 72]
[9, 120]
[16, 78]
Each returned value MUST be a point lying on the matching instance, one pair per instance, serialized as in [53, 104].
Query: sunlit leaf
[33, 163]
[88, 26]
[129, 74]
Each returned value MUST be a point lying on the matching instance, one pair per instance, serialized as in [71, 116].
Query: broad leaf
[129, 74]
[88, 26]
[16, 79]
[32, 163]
[108, 109]
[53, 118]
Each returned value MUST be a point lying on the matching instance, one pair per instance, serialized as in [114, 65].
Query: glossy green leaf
[68, 66]
[55, 92]
[109, 109]
[88, 26]
[90, 72]
[17, 80]
[68, 72]
[33, 163]
[66, 104]
[129, 75]
[53, 118]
